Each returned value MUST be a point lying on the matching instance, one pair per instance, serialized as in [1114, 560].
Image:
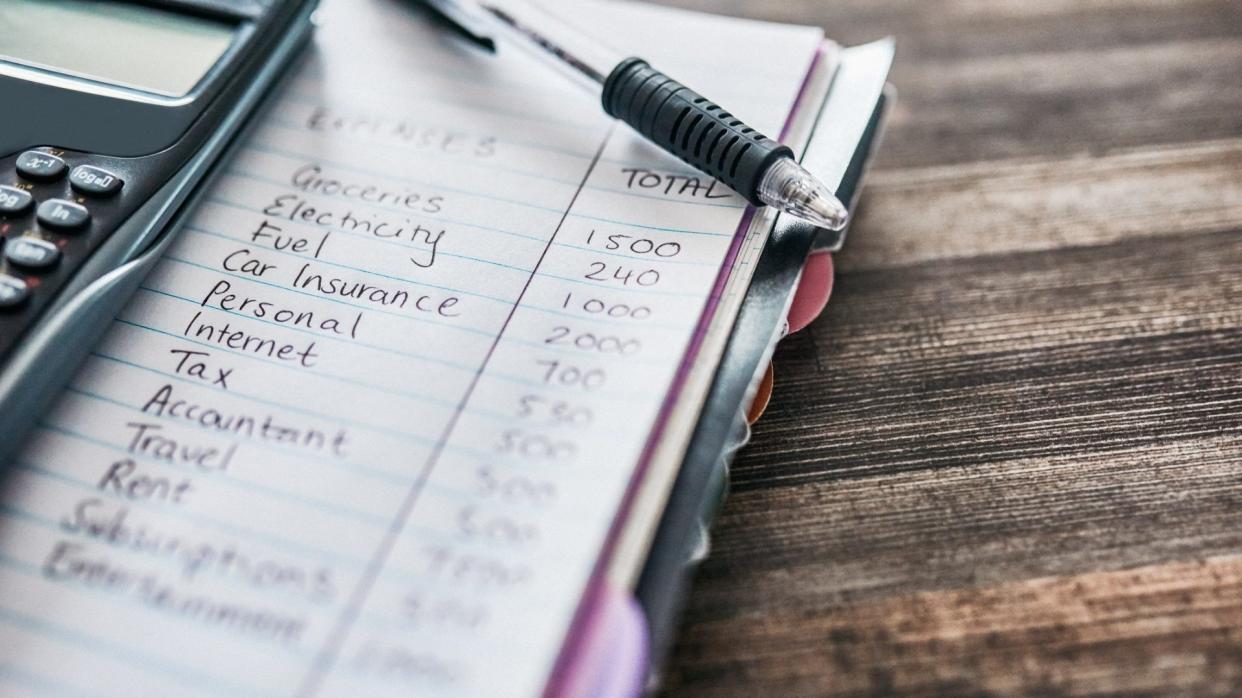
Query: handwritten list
[365, 428]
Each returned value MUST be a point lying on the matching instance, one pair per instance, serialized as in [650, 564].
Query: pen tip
[824, 210]
[790, 188]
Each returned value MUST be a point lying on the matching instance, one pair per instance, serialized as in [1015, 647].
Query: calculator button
[32, 253]
[94, 181]
[33, 164]
[14, 201]
[12, 292]
[58, 213]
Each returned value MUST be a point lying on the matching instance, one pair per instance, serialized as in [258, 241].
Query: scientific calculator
[113, 117]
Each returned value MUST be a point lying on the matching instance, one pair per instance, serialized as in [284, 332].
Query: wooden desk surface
[1008, 459]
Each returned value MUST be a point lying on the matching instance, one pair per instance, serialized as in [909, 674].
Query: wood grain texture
[1008, 458]
[1028, 205]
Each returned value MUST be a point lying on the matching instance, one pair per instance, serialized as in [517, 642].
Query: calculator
[114, 115]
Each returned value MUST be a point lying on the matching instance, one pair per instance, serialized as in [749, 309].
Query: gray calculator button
[94, 181]
[66, 215]
[43, 167]
[32, 253]
[13, 292]
[14, 201]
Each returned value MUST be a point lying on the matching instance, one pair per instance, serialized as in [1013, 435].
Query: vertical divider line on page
[327, 656]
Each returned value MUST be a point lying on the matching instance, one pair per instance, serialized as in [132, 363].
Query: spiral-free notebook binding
[629, 641]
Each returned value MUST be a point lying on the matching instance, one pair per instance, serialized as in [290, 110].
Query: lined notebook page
[366, 427]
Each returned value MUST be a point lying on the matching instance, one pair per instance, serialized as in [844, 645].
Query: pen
[669, 114]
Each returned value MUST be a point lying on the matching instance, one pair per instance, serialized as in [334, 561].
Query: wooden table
[1008, 459]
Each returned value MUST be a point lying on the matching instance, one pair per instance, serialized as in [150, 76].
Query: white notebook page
[365, 428]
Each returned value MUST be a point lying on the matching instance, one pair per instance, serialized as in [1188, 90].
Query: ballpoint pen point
[789, 187]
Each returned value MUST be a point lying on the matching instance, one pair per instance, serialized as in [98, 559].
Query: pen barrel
[691, 126]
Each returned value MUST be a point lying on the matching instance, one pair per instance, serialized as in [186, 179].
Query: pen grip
[691, 126]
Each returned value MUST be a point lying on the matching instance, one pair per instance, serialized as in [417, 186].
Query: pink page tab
[814, 290]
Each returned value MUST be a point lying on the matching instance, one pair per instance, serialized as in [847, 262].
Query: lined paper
[365, 428]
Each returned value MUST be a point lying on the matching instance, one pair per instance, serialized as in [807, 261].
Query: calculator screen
[122, 43]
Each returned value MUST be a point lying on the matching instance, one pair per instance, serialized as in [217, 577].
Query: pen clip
[452, 17]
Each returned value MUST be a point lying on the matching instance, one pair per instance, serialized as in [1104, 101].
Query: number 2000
[589, 341]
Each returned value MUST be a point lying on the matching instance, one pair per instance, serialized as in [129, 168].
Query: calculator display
[121, 43]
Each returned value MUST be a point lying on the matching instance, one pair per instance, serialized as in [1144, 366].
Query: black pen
[669, 114]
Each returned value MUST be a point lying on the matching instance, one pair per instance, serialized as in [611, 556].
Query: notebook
[377, 419]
